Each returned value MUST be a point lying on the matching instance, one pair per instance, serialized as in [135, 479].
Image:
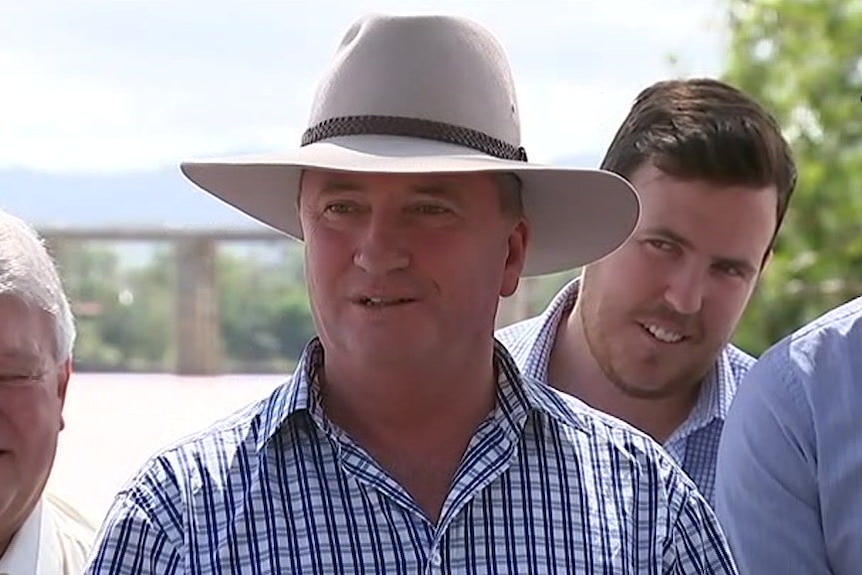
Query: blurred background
[187, 310]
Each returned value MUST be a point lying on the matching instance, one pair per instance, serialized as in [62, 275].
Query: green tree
[802, 59]
[123, 313]
[126, 312]
[140, 318]
[265, 316]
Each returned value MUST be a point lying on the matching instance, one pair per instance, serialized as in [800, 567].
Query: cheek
[31, 420]
[477, 262]
[621, 280]
[627, 266]
[467, 277]
[326, 254]
[726, 309]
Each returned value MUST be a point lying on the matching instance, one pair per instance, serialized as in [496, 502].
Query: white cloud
[567, 119]
[120, 85]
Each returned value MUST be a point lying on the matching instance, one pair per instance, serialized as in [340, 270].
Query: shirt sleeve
[766, 487]
[140, 534]
[698, 546]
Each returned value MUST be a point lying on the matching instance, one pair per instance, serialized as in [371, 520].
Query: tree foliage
[265, 318]
[126, 312]
[802, 59]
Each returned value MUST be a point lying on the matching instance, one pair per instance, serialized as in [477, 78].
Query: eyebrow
[19, 356]
[333, 186]
[437, 190]
[742, 264]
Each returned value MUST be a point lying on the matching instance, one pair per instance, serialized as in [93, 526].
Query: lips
[381, 301]
[663, 334]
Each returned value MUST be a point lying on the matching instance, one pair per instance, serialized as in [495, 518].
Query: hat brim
[576, 216]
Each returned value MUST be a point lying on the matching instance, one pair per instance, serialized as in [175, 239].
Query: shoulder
[799, 379]
[635, 457]
[67, 519]
[150, 517]
[839, 329]
[198, 462]
[620, 465]
[824, 349]
[667, 506]
[73, 533]
[789, 395]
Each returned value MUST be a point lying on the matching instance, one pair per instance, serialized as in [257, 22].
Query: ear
[517, 242]
[64, 371]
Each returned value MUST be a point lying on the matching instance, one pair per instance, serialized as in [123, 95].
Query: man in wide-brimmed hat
[406, 440]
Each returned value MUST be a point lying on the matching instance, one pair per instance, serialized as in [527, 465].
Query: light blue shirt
[789, 485]
[545, 486]
[694, 444]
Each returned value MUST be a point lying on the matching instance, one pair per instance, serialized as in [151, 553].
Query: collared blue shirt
[694, 444]
[789, 486]
[545, 486]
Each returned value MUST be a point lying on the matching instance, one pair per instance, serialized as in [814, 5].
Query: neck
[415, 420]
[408, 394]
[573, 369]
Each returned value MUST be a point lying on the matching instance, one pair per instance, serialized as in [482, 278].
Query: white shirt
[54, 540]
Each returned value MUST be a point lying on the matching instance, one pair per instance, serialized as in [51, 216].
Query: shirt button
[436, 560]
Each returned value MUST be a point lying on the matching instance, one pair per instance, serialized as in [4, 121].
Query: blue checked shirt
[546, 486]
[694, 444]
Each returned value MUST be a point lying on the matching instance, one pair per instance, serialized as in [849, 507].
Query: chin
[645, 390]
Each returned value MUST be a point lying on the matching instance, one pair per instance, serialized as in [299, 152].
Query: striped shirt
[694, 444]
[546, 486]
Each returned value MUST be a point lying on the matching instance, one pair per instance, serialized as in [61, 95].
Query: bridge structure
[198, 335]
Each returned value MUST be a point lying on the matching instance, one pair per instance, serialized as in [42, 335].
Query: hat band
[413, 128]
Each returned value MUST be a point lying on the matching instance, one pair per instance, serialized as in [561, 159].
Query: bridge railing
[198, 335]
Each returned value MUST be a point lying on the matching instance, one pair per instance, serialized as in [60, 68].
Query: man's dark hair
[705, 129]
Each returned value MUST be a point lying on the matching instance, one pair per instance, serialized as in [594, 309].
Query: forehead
[320, 181]
[26, 332]
[699, 208]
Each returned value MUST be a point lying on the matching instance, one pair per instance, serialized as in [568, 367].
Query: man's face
[657, 312]
[32, 390]
[407, 268]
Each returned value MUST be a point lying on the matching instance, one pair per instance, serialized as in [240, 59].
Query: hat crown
[434, 68]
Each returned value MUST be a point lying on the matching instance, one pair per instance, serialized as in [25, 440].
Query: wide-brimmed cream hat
[429, 94]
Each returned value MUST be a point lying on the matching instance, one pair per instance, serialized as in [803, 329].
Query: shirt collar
[713, 400]
[543, 333]
[517, 396]
[22, 555]
[716, 391]
[293, 396]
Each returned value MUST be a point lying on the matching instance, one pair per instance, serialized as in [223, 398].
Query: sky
[125, 86]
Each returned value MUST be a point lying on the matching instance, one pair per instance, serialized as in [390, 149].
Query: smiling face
[407, 268]
[32, 391]
[657, 312]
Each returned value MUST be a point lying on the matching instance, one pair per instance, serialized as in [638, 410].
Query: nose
[685, 290]
[382, 247]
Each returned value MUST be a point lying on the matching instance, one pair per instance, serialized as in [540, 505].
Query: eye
[431, 209]
[661, 245]
[340, 207]
[731, 270]
[13, 379]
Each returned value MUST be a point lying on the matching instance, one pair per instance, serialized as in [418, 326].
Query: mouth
[382, 302]
[662, 334]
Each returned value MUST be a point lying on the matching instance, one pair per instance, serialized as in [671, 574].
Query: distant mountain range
[157, 198]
